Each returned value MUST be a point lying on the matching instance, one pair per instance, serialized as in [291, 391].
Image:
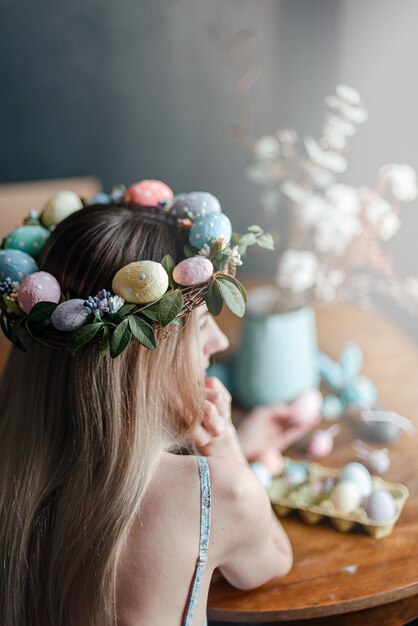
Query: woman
[99, 522]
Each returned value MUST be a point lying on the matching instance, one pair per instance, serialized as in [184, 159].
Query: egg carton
[314, 506]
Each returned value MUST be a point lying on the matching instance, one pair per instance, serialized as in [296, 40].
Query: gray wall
[134, 89]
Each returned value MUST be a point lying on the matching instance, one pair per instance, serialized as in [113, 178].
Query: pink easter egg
[308, 406]
[320, 445]
[193, 271]
[149, 193]
[38, 287]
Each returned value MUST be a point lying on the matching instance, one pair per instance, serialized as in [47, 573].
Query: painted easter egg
[141, 282]
[149, 193]
[29, 239]
[380, 506]
[59, 207]
[307, 407]
[346, 496]
[70, 315]
[16, 264]
[263, 473]
[196, 203]
[100, 198]
[360, 393]
[332, 408]
[359, 474]
[296, 474]
[38, 287]
[209, 227]
[193, 271]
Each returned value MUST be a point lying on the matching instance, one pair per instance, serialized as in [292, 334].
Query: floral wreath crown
[147, 296]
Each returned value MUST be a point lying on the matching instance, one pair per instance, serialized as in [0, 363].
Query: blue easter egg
[361, 393]
[100, 198]
[30, 239]
[209, 227]
[296, 474]
[195, 203]
[16, 264]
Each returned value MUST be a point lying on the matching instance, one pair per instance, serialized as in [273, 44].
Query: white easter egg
[346, 496]
[380, 506]
[59, 207]
[360, 475]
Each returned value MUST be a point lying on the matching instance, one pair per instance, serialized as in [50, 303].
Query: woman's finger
[199, 436]
[215, 384]
[212, 421]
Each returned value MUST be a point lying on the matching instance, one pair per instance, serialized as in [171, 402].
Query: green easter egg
[29, 239]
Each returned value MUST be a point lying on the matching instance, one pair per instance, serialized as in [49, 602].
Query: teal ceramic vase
[278, 355]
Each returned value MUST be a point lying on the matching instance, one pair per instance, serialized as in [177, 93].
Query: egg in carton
[313, 500]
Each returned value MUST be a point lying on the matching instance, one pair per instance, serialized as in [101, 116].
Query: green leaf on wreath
[13, 306]
[235, 282]
[265, 241]
[126, 308]
[232, 296]
[214, 299]
[82, 336]
[120, 338]
[255, 229]
[248, 240]
[190, 250]
[15, 339]
[105, 345]
[169, 264]
[35, 329]
[142, 332]
[42, 311]
[166, 309]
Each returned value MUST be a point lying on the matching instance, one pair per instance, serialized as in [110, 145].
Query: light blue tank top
[204, 539]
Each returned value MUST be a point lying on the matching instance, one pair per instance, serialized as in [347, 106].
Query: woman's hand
[272, 427]
[214, 433]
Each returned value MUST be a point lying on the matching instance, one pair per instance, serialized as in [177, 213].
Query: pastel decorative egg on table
[30, 239]
[209, 227]
[141, 282]
[359, 474]
[38, 287]
[59, 207]
[380, 506]
[16, 264]
[346, 496]
[149, 193]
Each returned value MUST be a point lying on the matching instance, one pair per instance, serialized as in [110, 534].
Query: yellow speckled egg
[59, 207]
[141, 282]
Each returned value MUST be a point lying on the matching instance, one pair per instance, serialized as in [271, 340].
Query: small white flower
[205, 251]
[402, 181]
[389, 225]
[328, 282]
[234, 257]
[115, 303]
[267, 148]
[298, 270]
[344, 198]
[349, 94]
[329, 160]
[380, 214]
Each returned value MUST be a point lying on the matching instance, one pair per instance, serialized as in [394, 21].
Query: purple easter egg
[195, 204]
[380, 506]
[38, 287]
[70, 315]
[193, 271]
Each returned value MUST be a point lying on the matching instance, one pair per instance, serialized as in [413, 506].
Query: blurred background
[173, 90]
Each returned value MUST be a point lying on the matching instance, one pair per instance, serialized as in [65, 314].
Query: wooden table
[380, 585]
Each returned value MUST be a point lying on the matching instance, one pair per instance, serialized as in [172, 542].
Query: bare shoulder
[240, 505]
[248, 541]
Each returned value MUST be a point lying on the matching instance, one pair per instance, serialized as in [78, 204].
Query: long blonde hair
[80, 436]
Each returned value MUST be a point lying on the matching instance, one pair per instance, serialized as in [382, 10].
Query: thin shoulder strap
[204, 538]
